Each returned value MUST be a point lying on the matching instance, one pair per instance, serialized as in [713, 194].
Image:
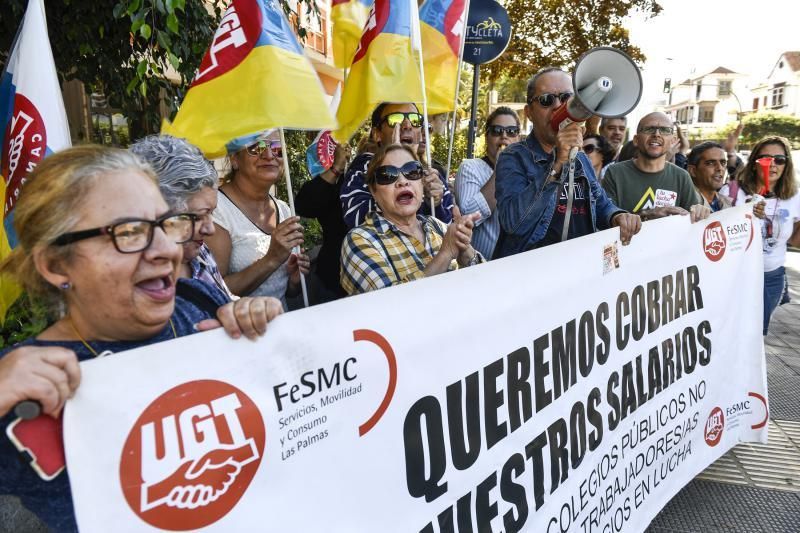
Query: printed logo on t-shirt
[666, 198]
[647, 201]
[579, 206]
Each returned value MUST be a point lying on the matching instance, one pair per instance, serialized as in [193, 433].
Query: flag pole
[290, 194]
[416, 43]
[453, 128]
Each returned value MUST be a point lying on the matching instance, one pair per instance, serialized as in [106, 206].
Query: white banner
[574, 388]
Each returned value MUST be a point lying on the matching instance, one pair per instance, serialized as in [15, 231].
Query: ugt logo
[235, 37]
[714, 427]
[25, 146]
[191, 455]
[714, 241]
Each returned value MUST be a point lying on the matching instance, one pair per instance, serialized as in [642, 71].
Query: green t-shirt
[633, 190]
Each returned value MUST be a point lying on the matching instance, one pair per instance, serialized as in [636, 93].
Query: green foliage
[297, 142]
[440, 146]
[760, 125]
[126, 49]
[26, 318]
[556, 33]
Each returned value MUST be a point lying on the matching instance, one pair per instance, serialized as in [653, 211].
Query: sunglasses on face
[135, 235]
[777, 159]
[388, 174]
[258, 148]
[590, 148]
[393, 119]
[547, 99]
[498, 131]
[661, 130]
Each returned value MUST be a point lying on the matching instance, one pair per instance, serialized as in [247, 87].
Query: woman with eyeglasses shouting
[255, 231]
[188, 182]
[98, 241]
[780, 218]
[475, 179]
[395, 244]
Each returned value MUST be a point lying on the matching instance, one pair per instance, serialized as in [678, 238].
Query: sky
[743, 35]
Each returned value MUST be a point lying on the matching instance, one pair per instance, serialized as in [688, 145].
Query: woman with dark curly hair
[781, 223]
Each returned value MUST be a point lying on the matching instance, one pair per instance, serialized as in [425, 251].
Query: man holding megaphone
[537, 202]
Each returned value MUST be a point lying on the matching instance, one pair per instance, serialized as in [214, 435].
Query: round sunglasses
[388, 174]
[590, 148]
[259, 147]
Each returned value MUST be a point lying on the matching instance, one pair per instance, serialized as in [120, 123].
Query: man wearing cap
[531, 179]
[392, 123]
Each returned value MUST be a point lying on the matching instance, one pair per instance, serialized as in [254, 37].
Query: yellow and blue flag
[348, 18]
[384, 68]
[254, 77]
[33, 123]
[442, 24]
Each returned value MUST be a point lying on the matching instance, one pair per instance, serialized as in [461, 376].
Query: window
[706, 113]
[755, 104]
[699, 88]
[316, 28]
[776, 95]
[724, 88]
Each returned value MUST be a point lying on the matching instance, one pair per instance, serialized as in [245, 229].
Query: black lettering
[667, 307]
[559, 456]
[533, 451]
[485, 508]
[514, 493]
[695, 295]
[541, 369]
[680, 295]
[689, 350]
[623, 332]
[464, 455]
[577, 434]
[604, 348]
[653, 310]
[519, 390]
[595, 418]
[628, 390]
[346, 372]
[419, 485]
[702, 337]
[564, 363]
[614, 416]
[638, 313]
[586, 343]
[492, 400]
[654, 371]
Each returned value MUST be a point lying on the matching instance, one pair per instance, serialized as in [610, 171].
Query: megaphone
[606, 82]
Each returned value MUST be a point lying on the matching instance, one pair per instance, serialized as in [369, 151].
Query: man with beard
[707, 165]
[613, 129]
[391, 124]
[648, 185]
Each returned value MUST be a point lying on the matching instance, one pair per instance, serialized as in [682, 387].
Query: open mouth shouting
[404, 197]
[158, 288]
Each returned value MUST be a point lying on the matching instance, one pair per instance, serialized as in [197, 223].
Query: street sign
[488, 32]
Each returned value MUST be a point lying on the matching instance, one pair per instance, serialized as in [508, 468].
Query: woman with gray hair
[188, 182]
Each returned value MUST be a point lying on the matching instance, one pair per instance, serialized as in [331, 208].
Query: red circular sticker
[326, 146]
[714, 426]
[191, 455]
[25, 145]
[714, 241]
[235, 37]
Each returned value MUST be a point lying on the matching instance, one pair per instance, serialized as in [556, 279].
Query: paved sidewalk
[755, 488]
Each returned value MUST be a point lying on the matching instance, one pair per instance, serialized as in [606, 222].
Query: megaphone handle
[573, 153]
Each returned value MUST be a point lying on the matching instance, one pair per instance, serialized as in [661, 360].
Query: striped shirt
[471, 177]
[377, 254]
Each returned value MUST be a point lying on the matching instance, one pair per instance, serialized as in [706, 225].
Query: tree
[125, 49]
[557, 32]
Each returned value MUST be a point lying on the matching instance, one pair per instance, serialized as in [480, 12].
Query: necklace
[92, 350]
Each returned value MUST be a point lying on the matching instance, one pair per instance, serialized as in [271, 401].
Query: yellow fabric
[271, 88]
[441, 69]
[348, 21]
[9, 290]
[388, 72]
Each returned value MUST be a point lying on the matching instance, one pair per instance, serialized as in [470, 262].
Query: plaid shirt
[204, 268]
[376, 254]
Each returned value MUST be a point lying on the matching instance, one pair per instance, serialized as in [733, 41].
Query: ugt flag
[33, 123]
[384, 68]
[254, 77]
[442, 24]
[348, 18]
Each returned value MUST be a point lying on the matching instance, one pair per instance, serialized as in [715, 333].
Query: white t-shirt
[776, 227]
[249, 244]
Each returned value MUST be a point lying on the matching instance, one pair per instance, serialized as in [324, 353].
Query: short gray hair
[532, 82]
[181, 168]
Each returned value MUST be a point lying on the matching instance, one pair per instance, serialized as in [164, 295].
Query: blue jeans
[773, 289]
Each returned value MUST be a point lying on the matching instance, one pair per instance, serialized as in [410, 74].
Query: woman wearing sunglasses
[475, 179]
[255, 231]
[780, 224]
[98, 241]
[599, 151]
[188, 182]
[395, 244]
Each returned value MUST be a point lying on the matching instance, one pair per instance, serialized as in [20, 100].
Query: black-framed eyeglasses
[548, 99]
[497, 131]
[388, 174]
[259, 147]
[134, 235]
[661, 130]
[590, 148]
[393, 119]
[777, 159]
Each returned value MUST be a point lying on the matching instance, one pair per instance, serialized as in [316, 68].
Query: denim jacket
[526, 200]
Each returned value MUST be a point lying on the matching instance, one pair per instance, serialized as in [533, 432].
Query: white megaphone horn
[606, 83]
